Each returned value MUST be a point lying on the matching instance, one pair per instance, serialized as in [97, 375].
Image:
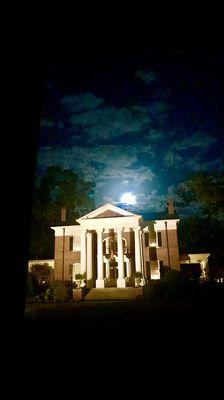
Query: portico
[116, 254]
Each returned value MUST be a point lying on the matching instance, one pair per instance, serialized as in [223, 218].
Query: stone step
[129, 293]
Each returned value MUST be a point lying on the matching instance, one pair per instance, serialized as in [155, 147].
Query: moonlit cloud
[197, 140]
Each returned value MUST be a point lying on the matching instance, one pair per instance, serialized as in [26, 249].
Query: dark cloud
[146, 76]
[81, 102]
[47, 123]
[111, 122]
[172, 159]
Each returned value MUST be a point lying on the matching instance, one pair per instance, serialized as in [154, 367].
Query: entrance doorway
[113, 274]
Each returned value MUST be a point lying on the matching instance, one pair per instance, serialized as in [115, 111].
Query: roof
[152, 216]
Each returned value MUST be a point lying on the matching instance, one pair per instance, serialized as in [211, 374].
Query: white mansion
[111, 246]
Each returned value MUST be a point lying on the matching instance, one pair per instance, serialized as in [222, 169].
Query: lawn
[123, 322]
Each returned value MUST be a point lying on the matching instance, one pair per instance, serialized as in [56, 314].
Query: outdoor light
[128, 198]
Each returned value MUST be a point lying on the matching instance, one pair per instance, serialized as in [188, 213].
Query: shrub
[80, 276]
[61, 294]
[138, 275]
[172, 286]
[32, 285]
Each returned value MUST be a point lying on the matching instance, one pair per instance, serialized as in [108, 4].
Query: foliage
[57, 188]
[138, 275]
[32, 285]
[216, 263]
[194, 235]
[41, 270]
[80, 276]
[204, 233]
[172, 286]
[208, 191]
[59, 292]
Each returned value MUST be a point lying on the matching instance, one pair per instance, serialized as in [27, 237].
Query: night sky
[133, 120]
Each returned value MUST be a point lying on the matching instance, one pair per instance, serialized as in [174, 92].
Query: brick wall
[70, 257]
[162, 253]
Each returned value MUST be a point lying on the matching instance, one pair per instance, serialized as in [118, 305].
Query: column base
[100, 283]
[121, 282]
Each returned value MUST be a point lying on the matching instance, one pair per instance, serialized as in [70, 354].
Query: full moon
[128, 198]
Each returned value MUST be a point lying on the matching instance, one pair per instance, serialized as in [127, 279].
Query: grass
[119, 321]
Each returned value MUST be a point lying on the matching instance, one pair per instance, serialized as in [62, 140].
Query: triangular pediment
[107, 211]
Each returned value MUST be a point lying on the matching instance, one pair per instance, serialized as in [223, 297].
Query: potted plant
[138, 278]
[79, 287]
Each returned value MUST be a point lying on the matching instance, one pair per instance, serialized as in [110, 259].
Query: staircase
[128, 293]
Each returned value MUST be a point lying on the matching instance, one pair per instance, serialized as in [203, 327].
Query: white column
[89, 259]
[121, 279]
[107, 245]
[100, 278]
[128, 263]
[138, 263]
[107, 261]
[107, 268]
[83, 252]
[203, 266]
[142, 258]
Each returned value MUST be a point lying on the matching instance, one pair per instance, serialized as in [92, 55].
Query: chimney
[170, 207]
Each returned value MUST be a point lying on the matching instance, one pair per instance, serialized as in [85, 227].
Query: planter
[137, 282]
[77, 294]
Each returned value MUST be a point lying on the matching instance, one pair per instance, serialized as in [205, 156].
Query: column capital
[99, 230]
[137, 228]
[119, 228]
[88, 233]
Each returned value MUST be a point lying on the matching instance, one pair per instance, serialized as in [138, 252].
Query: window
[76, 270]
[71, 243]
[125, 269]
[146, 239]
[77, 243]
[159, 239]
[148, 269]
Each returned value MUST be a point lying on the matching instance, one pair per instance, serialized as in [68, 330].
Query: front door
[112, 281]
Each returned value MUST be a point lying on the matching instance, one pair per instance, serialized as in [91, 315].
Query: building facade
[111, 247]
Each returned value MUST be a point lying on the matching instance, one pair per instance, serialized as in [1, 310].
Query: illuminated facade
[111, 247]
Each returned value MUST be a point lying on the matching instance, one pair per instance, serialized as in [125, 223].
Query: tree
[207, 190]
[193, 235]
[205, 232]
[57, 188]
[41, 270]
